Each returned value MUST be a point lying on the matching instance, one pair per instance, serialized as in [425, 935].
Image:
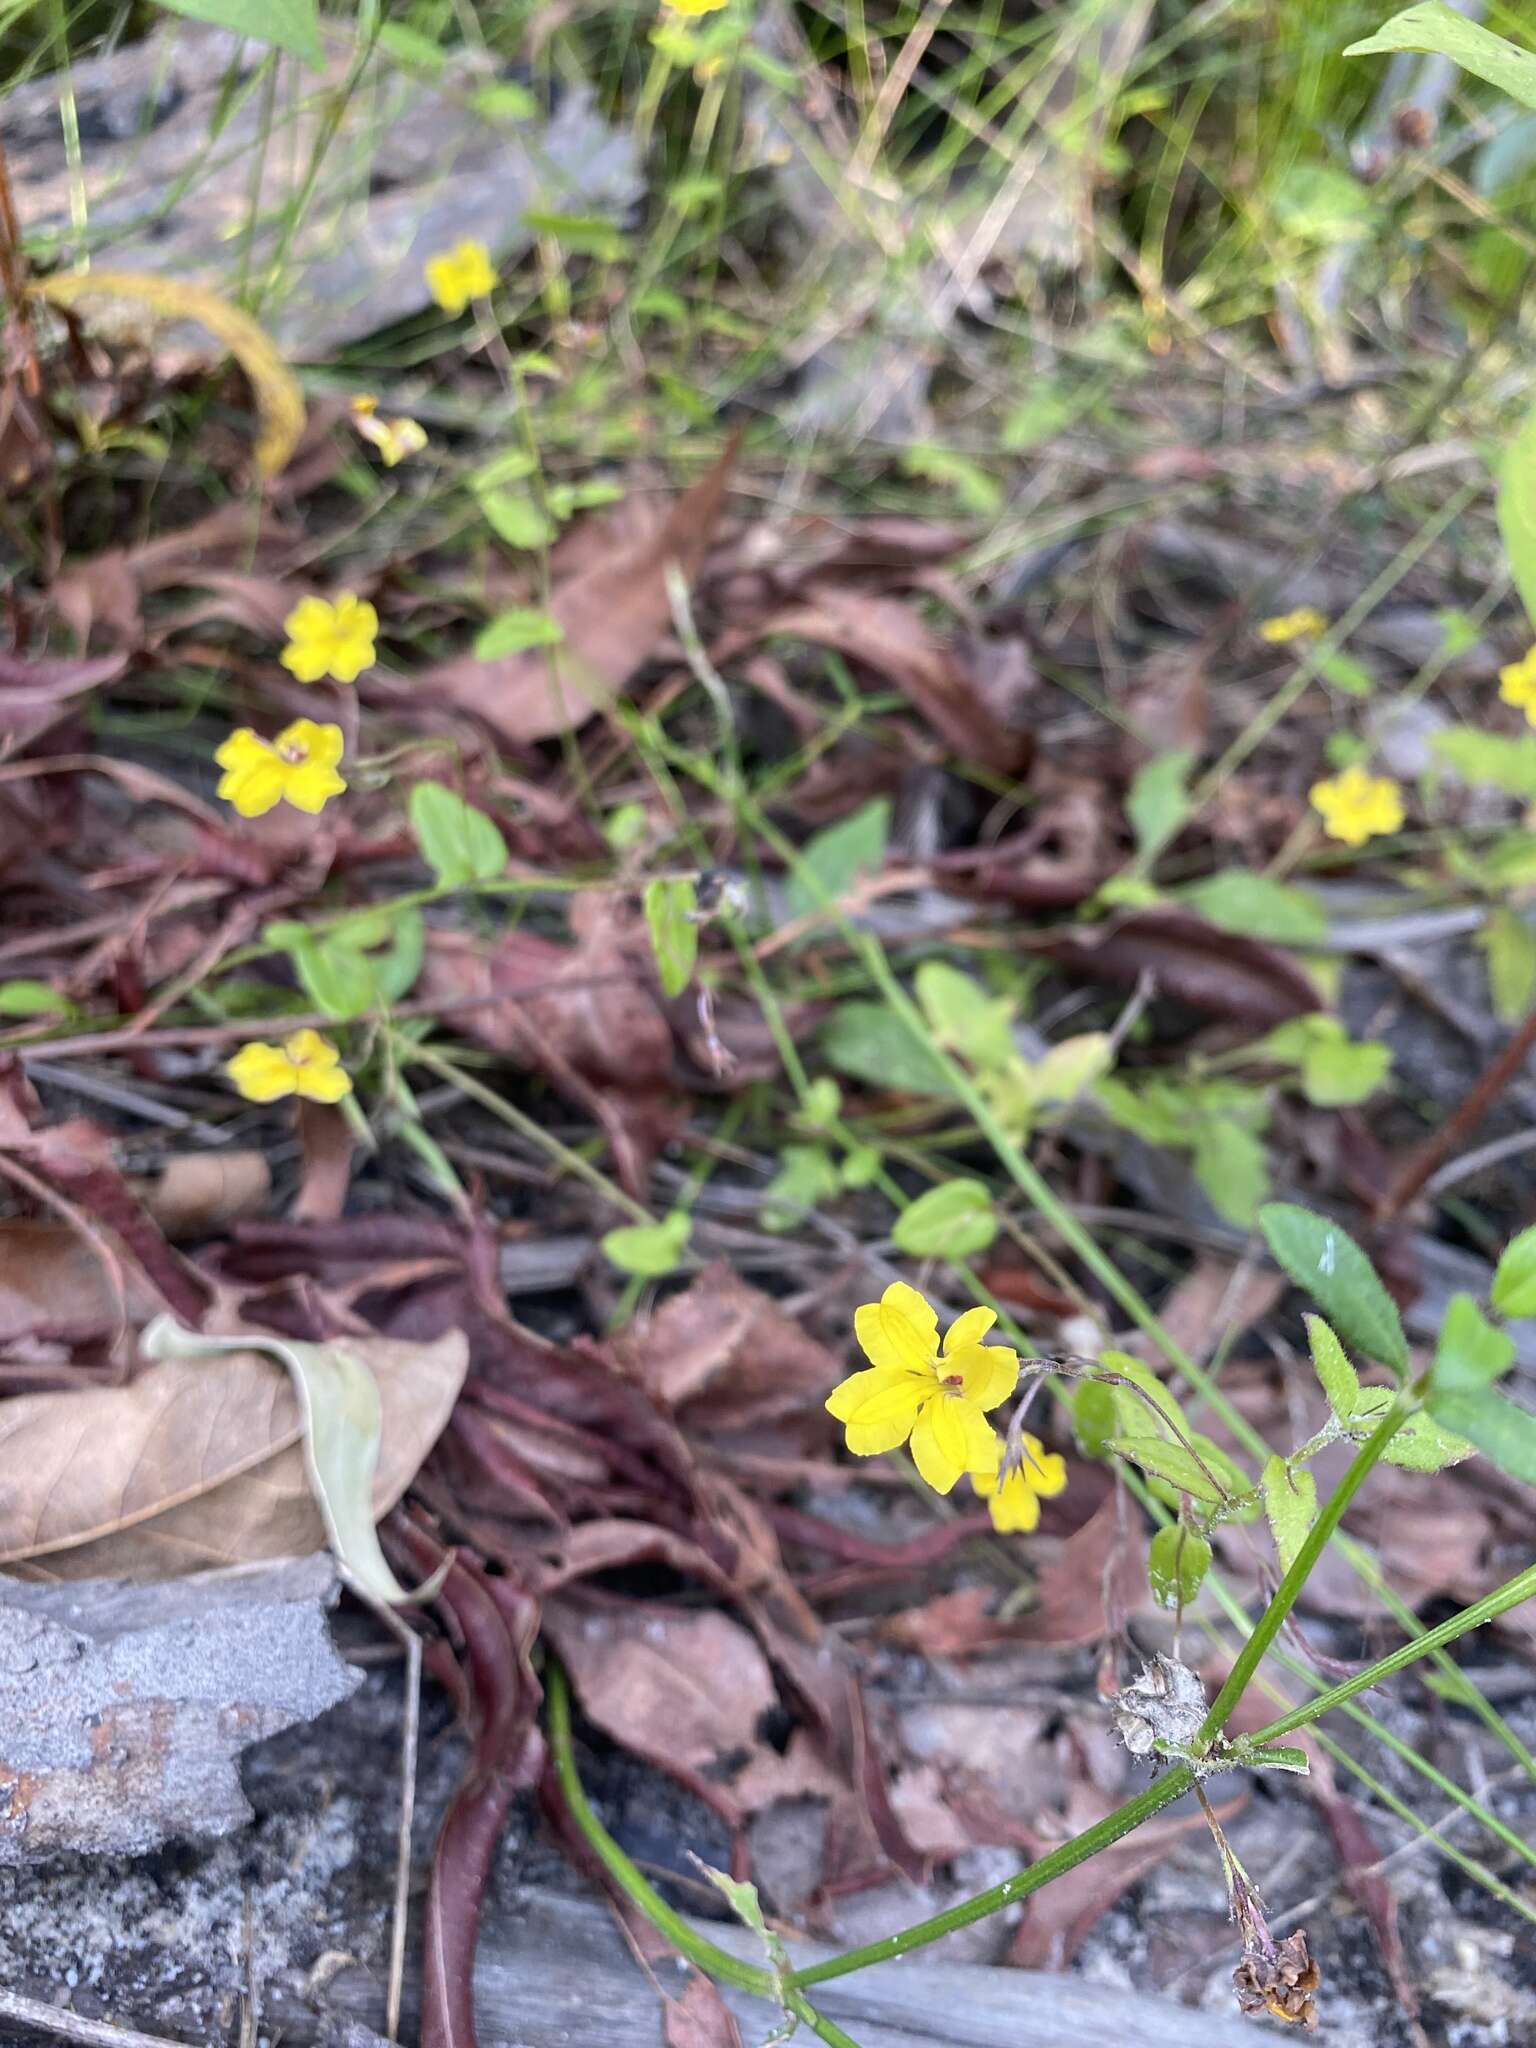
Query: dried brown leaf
[700, 2018]
[1095, 1581]
[196, 1464]
[1222, 973]
[612, 614]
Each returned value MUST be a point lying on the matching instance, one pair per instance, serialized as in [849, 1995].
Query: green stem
[1272, 1619]
[1162, 1792]
[719, 1962]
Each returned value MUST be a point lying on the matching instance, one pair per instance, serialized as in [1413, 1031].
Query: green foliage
[1508, 944]
[650, 1251]
[33, 999]
[516, 518]
[1470, 1353]
[1334, 1071]
[975, 488]
[1343, 673]
[292, 25]
[868, 1042]
[807, 1175]
[1094, 1418]
[1326, 1263]
[1185, 1463]
[1497, 1428]
[1517, 488]
[1158, 801]
[1514, 1283]
[515, 630]
[1339, 1380]
[955, 1221]
[1259, 907]
[1219, 1122]
[671, 904]
[458, 843]
[1177, 1563]
[963, 1018]
[364, 964]
[833, 860]
[1490, 757]
[1290, 1502]
[1432, 26]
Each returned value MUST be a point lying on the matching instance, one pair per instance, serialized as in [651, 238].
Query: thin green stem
[1272, 1620]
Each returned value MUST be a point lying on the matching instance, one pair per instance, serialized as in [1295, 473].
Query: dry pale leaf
[199, 1464]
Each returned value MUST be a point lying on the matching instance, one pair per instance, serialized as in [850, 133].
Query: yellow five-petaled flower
[394, 439]
[1013, 1498]
[1302, 624]
[1355, 806]
[304, 1064]
[915, 1389]
[327, 639]
[298, 767]
[460, 274]
[1517, 684]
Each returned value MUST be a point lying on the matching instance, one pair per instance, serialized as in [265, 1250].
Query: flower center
[954, 1379]
[293, 754]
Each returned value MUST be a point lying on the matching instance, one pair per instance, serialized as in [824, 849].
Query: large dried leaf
[1220, 972]
[194, 1465]
[611, 615]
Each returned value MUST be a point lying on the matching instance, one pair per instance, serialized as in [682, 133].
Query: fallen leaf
[1222, 973]
[52, 1280]
[327, 1147]
[192, 1465]
[1213, 1303]
[611, 615]
[125, 1710]
[1094, 1583]
[700, 2018]
[35, 694]
[196, 1193]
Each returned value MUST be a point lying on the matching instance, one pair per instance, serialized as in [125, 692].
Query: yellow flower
[1013, 1497]
[1303, 624]
[394, 439]
[299, 765]
[304, 1064]
[1517, 684]
[330, 639]
[460, 274]
[912, 1390]
[693, 6]
[1355, 806]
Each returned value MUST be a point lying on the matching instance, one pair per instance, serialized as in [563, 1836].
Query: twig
[1463, 1120]
[53, 2019]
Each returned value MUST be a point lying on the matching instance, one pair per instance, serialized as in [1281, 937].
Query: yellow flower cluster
[1355, 807]
[935, 1397]
[1302, 624]
[460, 274]
[305, 1064]
[1517, 684]
[298, 767]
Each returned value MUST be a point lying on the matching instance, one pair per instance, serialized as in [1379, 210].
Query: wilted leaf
[192, 1465]
[700, 2018]
[610, 617]
[279, 401]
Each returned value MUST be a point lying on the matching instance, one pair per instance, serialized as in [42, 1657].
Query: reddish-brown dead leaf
[53, 1281]
[1222, 973]
[35, 694]
[612, 613]
[194, 1465]
[700, 2018]
[195, 1193]
[1095, 1582]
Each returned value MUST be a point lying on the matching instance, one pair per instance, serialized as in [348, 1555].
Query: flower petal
[969, 1329]
[988, 1373]
[261, 1072]
[952, 1436]
[322, 1084]
[310, 787]
[254, 787]
[1043, 1472]
[888, 1417]
[1013, 1507]
[848, 1394]
[899, 1329]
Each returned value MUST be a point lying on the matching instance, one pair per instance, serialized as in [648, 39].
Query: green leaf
[836, 858]
[458, 843]
[1164, 1459]
[823, 1103]
[408, 47]
[512, 631]
[1070, 1066]
[1434, 27]
[650, 1250]
[1232, 1167]
[511, 466]
[1422, 1445]
[860, 1166]
[1496, 1427]
[1517, 490]
[516, 519]
[338, 980]
[1490, 757]
[1095, 1418]
[1509, 946]
[338, 972]
[505, 102]
[585, 234]
[1326, 1263]
[1470, 1353]
[976, 488]
[1340, 1381]
[963, 1017]
[1346, 674]
[806, 1176]
[342, 1419]
[1317, 203]
[1290, 1502]
[32, 999]
[1177, 1564]
[286, 24]
[1158, 801]
[954, 1221]
[1260, 908]
[744, 1903]
[1335, 1073]
[1136, 1417]
[872, 1044]
[670, 903]
[1514, 1284]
